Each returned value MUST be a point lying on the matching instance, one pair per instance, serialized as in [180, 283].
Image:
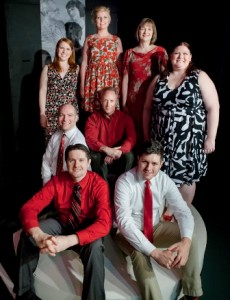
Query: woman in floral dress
[101, 61]
[58, 86]
[140, 65]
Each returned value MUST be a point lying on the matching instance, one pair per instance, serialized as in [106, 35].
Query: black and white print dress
[179, 123]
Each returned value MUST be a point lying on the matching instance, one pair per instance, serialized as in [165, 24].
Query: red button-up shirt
[95, 204]
[116, 130]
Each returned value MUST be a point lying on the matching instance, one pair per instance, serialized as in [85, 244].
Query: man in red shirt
[111, 137]
[56, 234]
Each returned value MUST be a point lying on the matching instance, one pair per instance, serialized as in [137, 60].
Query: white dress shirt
[128, 200]
[49, 160]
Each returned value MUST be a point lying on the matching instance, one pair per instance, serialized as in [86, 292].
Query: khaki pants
[165, 234]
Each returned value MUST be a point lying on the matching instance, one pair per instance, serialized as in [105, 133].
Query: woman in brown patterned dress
[58, 85]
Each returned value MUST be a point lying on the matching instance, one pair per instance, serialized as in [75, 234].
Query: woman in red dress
[100, 61]
[140, 65]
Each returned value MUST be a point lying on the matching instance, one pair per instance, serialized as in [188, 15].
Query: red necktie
[60, 155]
[148, 212]
[75, 209]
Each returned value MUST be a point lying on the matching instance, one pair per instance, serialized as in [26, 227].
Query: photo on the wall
[62, 18]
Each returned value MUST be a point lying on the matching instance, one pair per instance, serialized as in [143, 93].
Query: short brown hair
[142, 23]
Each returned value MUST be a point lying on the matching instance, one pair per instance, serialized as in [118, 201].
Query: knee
[139, 258]
[129, 156]
[194, 243]
[95, 156]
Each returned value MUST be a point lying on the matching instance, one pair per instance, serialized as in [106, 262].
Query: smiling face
[67, 117]
[102, 19]
[181, 57]
[149, 165]
[146, 32]
[64, 51]
[77, 164]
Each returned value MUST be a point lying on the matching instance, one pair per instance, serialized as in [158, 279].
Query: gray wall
[23, 39]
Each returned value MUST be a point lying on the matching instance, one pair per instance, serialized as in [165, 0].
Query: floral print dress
[59, 91]
[102, 70]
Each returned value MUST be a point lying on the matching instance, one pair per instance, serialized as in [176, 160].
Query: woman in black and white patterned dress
[182, 112]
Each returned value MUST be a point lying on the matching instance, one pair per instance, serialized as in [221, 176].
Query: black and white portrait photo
[62, 19]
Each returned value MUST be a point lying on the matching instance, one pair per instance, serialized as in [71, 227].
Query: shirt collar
[72, 182]
[70, 132]
[142, 180]
[109, 117]
[84, 180]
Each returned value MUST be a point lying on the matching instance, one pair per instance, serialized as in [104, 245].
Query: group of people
[151, 119]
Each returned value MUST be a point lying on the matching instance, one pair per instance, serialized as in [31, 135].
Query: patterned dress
[59, 91]
[141, 68]
[179, 123]
[101, 71]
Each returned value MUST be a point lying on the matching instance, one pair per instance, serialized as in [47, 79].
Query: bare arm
[211, 102]
[147, 110]
[83, 67]
[125, 82]
[42, 96]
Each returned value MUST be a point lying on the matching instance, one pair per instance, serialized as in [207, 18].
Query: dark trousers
[119, 166]
[91, 256]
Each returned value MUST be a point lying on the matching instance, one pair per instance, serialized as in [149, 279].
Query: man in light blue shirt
[174, 245]
[67, 119]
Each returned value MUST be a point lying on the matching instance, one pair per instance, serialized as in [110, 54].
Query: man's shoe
[29, 295]
[190, 298]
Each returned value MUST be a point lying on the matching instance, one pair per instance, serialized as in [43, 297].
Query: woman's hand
[43, 120]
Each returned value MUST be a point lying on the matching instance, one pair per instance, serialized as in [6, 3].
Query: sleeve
[28, 214]
[163, 59]
[103, 220]
[47, 163]
[130, 135]
[92, 132]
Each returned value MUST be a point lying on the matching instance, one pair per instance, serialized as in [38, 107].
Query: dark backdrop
[206, 29]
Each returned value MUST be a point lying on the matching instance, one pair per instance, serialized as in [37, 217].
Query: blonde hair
[142, 23]
[97, 9]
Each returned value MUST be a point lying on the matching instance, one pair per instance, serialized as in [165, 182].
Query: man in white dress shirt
[67, 119]
[174, 245]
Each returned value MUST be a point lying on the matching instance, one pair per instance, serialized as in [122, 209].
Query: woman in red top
[140, 65]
